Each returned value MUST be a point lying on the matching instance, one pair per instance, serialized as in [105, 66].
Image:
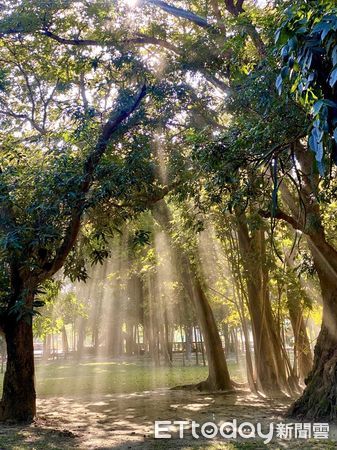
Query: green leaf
[317, 107]
[323, 28]
[282, 35]
[278, 83]
[315, 143]
[334, 56]
[333, 77]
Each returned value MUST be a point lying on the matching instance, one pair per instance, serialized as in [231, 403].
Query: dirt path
[126, 422]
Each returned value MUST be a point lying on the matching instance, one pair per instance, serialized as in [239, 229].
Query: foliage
[104, 112]
[57, 171]
[59, 309]
[308, 41]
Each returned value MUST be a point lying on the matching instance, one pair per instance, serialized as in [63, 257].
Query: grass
[95, 377]
[91, 378]
[71, 378]
[25, 440]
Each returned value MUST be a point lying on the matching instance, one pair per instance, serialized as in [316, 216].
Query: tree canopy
[172, 118]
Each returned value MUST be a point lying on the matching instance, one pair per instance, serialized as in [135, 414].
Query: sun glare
[132, 3]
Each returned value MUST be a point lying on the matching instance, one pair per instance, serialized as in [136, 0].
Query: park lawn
[73, 413]
[95, 377]
[88, 380]
[12, 442]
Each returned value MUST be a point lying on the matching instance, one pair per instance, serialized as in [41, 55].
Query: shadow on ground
[125, 421]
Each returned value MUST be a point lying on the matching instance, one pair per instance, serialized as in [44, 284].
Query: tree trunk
[19, 398]
[228, 348]
[196, 346]
[129, 338]
[46, 347]
[295, 293]
[153, 346]
[96, 326]
[164, 345]
[271, 374]
[319, 399]
[239, 302]
[168, 334]
[249, 362]
[114, 347]
[65, 344]
[302, 351]
[81, 337]
[2, 351]
[218, 377]
[202, 348]
[189, 340]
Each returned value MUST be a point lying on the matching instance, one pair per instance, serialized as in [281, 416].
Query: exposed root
[240, 385]
[319, 399]
[203, 386]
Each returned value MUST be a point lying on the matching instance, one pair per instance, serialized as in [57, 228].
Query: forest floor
[103, 410]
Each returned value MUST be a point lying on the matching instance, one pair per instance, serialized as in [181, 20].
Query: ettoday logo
[163, 429]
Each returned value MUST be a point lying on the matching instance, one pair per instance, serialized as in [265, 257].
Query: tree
[218, 376]
[18, 306]
[258, 135]
[238, 147]
[309, 37]
[50, 179]
[308, 41]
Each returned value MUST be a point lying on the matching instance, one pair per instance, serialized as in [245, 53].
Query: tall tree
[218, 376]
[50, 179]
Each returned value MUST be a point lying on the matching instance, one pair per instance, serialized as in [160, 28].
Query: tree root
[319, 398]
[240, 385]
[203, 386]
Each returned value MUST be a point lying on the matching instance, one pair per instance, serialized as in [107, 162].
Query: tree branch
[281, 215]
[139, 39]
[224, 87]
[78, 42]
[71, 233]
[239, 5]
[142, 39]
[83, 92]
[231, 8]
[24, 117]
[249, 28]
[181, 13]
